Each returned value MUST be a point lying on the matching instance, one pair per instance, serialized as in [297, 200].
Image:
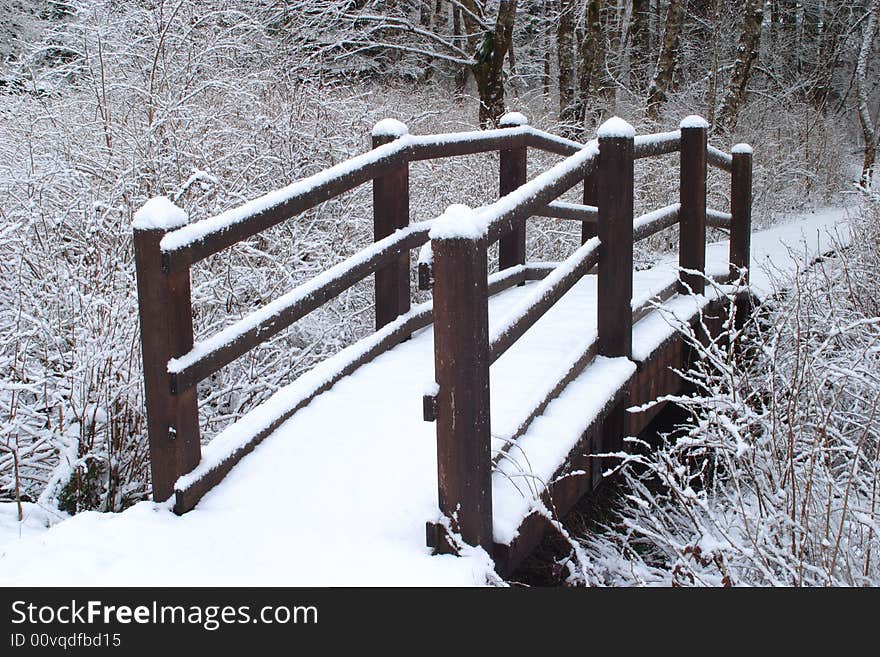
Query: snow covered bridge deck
[333, 479]
[339, 494]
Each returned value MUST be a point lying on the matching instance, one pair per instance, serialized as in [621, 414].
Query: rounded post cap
[459, 221]
[742, 149]
[390, 128]
[159, 213]
[616, 128]
[694, 121]
[513, 119]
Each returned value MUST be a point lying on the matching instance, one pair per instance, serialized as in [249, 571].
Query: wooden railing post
[740, 209]
[391, 212]
[166, 332]
[591, 197]
[512, 246]
[615, 202]
[741, 225]
[461, 363]
[692, 196]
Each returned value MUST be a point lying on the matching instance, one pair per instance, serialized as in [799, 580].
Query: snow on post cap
[159, 213]
[458, 222]
[616, 127]
[390, 128]
[742, 149]
[512, 119]
[694, 121]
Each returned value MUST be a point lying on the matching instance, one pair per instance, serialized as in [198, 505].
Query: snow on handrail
[718, 158]
[545, 295]
[718, 219]
[655, 221]
[659, 143]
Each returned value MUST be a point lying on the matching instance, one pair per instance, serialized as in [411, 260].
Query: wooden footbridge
[495, 478]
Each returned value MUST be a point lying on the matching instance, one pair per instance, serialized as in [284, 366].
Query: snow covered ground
[340, 494]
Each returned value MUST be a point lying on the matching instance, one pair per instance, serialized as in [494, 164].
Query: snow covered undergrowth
[340, 494]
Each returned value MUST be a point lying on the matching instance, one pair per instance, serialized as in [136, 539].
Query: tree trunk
[565, 63]
[459, 40]
[712, 93]
[869, 132]
[666, 60]
[488, 66]
[747, 53]
[640, 48]
[593, 87]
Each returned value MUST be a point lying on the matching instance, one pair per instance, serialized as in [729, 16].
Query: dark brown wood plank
[512, 174]
[591, 198]
[461, 365]
[692, 196]
[347, 273]
[563, 493]
[740, 210]
[615, 282]
[165, 309]
[390, 213]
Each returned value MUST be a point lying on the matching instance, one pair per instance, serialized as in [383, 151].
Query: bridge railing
[464, 346]
[166, 248]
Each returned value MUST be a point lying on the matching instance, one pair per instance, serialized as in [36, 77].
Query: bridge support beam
[692, 196]
[391, 212]
[165, 307]
[512, 246]
[461, 365]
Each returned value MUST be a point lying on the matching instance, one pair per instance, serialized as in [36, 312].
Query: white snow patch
[658, 138]
[616, 127]
[159, 213]
[521, 477]
[694, 121]
[458, 222]
[513, 119]
[390, 128]
[744, 149]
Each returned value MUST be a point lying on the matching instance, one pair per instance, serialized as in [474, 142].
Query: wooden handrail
[546, 294]
[653, 222]
[660, 143]
[174, 364]
[208, 356]
[719, 159]
[573, 211]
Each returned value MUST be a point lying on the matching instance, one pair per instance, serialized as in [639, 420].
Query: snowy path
[340, 494]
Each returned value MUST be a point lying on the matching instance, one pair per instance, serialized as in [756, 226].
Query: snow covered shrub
[775, 477]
